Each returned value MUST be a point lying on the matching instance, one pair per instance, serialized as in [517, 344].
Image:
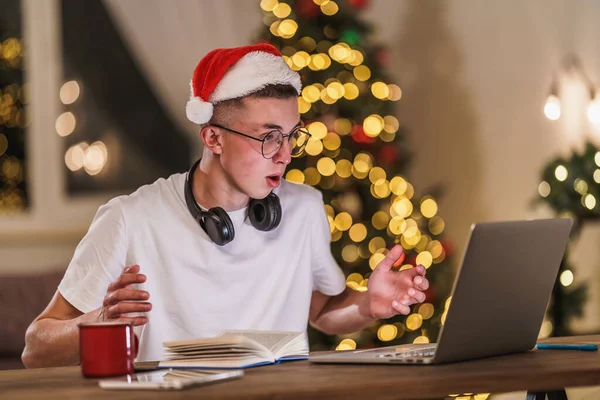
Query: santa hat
[225, 74]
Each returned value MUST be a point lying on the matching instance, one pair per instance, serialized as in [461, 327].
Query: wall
[475, 77]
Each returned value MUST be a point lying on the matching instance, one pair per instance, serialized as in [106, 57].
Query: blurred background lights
[544, 189]
[561, 173]
[95, 158]
[65, 124]
[552, 108]
[566, 278]
[69, 92]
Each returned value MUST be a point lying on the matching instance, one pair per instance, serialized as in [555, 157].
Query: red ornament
[359, 136]
[382, 57]
[448, 247]
[411, 259]
[388, 154]
[359, 3]
[307, 9]
[430, 295]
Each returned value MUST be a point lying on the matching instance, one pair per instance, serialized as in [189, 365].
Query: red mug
[107, 348]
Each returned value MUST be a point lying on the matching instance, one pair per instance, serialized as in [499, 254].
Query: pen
[552, 346]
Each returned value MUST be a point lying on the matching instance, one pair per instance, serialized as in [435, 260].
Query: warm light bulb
[561, 173]
[566, 278]
[593, 111]
[552, 108]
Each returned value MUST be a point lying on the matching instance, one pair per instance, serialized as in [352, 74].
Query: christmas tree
[13, 97]
[356, 156]
[571, 187]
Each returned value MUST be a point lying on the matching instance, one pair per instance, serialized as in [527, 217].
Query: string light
[414, 322]
[362, 73]
[436, 225]
[426, 310]
[566, 278]
[326, 166]
[65, 124]
[343, 168]
[380, 90]
[329, 8]
[561, 173]
[373, 125]
[428, 207]
[421, 340]
[314, 147]
[395, 93]
[593, 111]
[69, 92]
[358, 232]
[425, 259]
[552, 107]
[589, 201]
[95, 158]
[544, 189]
[350, 253]
[332, 141]
[282, 10]
[74, 156]
[387, 332]
[580, 186]
[268, 5]
[295, 175]
[346, 344]
[317, 130]
[312, 176]
[375, 259]
[343, 221]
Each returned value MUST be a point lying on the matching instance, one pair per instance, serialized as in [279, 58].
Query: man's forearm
[345, 313]
[52, 342]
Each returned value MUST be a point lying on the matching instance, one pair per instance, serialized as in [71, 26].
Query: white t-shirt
[260, 280]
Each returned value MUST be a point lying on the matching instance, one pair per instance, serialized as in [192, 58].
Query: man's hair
[225, 111]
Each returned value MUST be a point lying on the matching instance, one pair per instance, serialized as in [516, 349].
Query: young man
[228, 245]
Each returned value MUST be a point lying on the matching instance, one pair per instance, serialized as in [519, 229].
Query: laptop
[498, 300]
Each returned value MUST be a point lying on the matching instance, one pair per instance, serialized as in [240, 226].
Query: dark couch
[22, 298]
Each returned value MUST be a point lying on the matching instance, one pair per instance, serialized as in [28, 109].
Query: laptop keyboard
[425, 352]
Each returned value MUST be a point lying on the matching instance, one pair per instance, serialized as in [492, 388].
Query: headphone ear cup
[218, 226]
[265, 214]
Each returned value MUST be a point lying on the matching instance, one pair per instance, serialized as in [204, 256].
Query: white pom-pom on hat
[198, 111]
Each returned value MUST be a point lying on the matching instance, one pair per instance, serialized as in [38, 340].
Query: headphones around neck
[264, 214]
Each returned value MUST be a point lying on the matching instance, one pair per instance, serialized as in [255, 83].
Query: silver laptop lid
[503, 288]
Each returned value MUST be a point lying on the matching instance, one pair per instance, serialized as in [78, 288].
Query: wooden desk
[533, 371]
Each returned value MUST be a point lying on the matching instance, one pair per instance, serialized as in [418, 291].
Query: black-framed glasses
[273, 141]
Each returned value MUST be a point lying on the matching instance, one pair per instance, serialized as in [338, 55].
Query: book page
[272, 340]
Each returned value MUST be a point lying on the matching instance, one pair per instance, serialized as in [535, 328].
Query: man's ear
[212, 138]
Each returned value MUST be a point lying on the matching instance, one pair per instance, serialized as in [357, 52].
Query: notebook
[234, 349]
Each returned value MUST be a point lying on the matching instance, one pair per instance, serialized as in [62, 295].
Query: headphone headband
[264, 214]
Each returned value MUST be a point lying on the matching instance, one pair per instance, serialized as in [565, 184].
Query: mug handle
[136, 346]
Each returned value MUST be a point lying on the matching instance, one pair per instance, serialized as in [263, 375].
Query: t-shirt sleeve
[98, 260]
[328, 277]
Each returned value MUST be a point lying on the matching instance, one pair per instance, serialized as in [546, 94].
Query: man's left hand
[393, 292]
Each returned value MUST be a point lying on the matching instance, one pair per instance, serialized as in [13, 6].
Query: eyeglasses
[273, 141]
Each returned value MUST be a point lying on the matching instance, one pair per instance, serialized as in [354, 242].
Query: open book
[236, 349]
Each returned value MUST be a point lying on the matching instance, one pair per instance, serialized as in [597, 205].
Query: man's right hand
[121, 299]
